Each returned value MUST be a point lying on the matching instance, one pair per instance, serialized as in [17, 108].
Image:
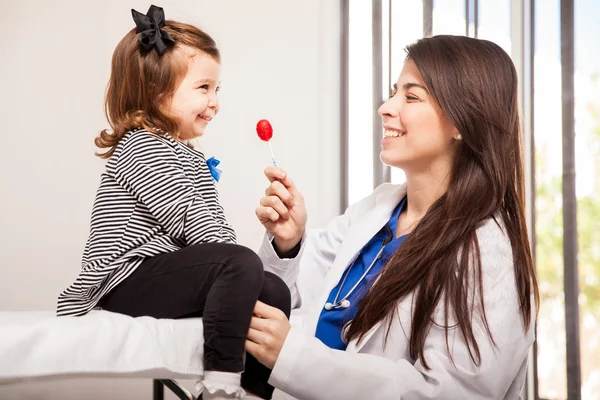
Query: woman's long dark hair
[475, 84]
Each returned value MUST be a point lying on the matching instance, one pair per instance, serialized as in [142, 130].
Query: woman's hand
[282, 210]
[268, 329]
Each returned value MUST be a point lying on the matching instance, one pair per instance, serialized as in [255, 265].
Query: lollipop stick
[272, 155]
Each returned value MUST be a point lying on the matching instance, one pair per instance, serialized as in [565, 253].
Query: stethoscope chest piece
[345, 303]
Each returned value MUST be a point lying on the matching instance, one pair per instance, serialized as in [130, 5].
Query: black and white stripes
[156, 196]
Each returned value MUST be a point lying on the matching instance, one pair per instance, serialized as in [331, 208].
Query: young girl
[159, 242]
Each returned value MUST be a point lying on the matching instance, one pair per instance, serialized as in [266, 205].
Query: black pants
[215, 281]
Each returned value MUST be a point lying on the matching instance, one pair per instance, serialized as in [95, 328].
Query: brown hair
[475, 84]
[142, 83]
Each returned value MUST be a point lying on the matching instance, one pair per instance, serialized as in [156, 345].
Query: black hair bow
[148, 28]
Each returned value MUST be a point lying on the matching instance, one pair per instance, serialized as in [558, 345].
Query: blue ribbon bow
[212, 166]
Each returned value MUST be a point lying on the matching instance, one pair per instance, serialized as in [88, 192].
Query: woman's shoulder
[492, 236]
[496, 252]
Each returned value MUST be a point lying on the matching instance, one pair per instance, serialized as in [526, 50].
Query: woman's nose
[389, 109]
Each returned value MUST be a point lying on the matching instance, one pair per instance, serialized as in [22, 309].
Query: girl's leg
[255, 377]
[219, 282]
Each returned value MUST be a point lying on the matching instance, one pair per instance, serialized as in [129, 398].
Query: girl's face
[418, 136]
[195, 101]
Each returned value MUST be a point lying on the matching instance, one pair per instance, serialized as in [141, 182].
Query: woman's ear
[456, 134]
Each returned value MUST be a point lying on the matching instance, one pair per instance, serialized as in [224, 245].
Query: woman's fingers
[253, 348]
[266, 214]
[276, 174]
[279, 190]
[269, 328]
[255, 336]
[275, 203]
[264, 310]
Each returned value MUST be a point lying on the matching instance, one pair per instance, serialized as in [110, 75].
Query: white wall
[280, 61]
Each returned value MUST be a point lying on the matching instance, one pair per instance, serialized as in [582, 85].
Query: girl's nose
[213, 101]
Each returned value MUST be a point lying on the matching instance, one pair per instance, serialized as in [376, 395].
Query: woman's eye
[205, 87]
[410, 97]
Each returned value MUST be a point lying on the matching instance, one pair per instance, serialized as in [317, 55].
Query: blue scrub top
[330, 324]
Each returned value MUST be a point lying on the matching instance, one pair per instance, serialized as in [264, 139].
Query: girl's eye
[205, 87]
[409, 97]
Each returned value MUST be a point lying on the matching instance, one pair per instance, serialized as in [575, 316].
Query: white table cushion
[35, 344]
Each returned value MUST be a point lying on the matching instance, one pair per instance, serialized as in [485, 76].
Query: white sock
[218, 385]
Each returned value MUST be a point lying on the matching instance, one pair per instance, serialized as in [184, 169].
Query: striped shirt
[156, 196]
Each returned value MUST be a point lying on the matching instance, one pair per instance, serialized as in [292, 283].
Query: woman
[425, 290]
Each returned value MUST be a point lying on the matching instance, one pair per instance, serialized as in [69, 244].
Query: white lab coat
[307, 369]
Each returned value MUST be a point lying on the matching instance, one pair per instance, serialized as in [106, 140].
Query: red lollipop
[264, 130]
[265, 133]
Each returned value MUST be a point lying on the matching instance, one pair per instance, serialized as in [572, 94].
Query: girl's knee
[276, 293]
[245, 262]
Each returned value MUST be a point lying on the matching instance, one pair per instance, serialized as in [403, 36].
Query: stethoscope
[344, 302]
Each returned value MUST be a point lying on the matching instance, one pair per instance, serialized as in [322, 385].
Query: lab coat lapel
[361, 232]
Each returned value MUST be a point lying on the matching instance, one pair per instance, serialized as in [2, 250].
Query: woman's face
[418, 137]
